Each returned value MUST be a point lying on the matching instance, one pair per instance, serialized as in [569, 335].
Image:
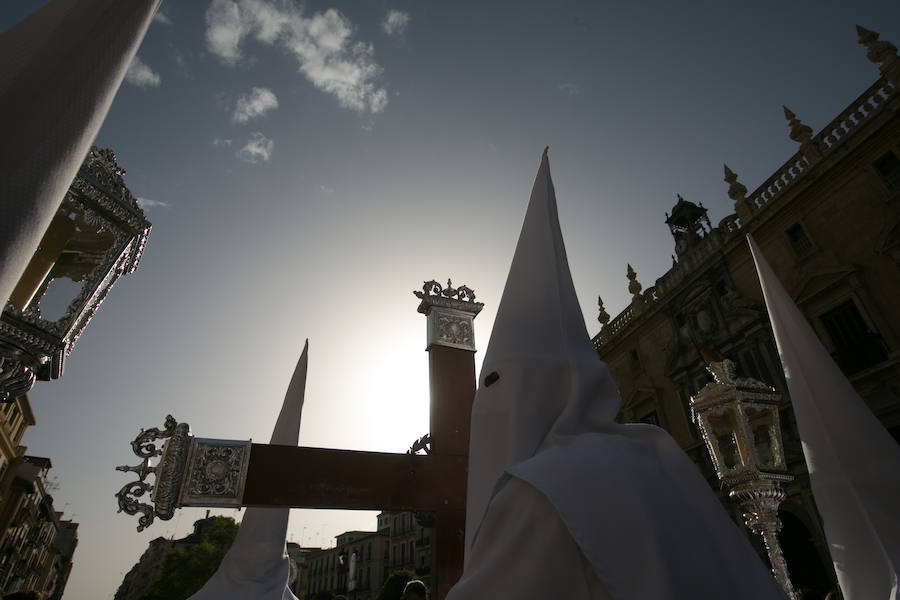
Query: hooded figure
[562, 501]
[256, 566]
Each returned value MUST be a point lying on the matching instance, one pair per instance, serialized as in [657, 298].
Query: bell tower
[688, 223]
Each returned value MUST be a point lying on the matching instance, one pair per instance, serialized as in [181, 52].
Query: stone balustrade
[830, 137]
[778, 182]
[870, 102]
[867, 104]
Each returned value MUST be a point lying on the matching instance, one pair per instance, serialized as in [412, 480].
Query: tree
[188, 567]
[393, 587]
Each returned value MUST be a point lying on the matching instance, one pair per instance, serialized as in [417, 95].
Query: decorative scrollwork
[430, 288]
[143, 444]
[433, 289]
[423, 443]
[465, 293]
[167, 471]
[143, 470]
[129, 504]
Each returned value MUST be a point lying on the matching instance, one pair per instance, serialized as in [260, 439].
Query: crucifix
[231, 473]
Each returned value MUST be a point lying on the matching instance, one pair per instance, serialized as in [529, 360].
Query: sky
[307, 165]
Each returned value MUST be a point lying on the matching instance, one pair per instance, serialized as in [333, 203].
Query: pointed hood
[854, 463]
[541, 378]
[256, 566]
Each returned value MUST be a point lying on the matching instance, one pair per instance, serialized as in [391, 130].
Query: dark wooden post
[451, 365]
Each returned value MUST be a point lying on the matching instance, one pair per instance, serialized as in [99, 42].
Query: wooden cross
[227, 473]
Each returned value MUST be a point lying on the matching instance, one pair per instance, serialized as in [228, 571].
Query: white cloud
[160, 17]
[254, 104]
[326, 190]
[221, 143]
[321, 43]
[395, 22]
[257, 149]
[141, 75]
[569, 88]
[147, 203]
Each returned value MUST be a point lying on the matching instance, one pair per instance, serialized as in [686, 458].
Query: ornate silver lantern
[738, 418]
[97, 235]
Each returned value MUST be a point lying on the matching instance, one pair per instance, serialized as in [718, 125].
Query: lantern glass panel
[762, 425]
[723, 428]
[57, 296]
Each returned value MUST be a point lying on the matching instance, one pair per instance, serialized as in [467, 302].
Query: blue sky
[307, 165]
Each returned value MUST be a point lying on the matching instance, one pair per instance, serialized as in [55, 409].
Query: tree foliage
[189, 566]
[393, 587]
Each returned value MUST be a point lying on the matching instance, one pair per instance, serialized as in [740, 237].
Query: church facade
[828, 221]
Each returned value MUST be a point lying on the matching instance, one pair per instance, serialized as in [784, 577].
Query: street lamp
[738, 418]
[97, 235]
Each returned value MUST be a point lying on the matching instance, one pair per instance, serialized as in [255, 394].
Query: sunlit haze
[306, 167]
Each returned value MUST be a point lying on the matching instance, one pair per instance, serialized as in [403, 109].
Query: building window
[635, 361]
[888, 168]
[800, 243]
[856, 347]
[402, 554]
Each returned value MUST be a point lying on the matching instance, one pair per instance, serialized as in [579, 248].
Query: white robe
[575, 522]
[538, 559]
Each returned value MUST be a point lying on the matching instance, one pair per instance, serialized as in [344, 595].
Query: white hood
[550, 381]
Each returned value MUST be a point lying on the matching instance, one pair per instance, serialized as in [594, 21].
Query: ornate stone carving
[737, 191]
[634, 286]
[603, 317]
[800, 133]
[217, 472]
[881, 53]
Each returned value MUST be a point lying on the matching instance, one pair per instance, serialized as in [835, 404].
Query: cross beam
[229, 473]
[345, 479]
